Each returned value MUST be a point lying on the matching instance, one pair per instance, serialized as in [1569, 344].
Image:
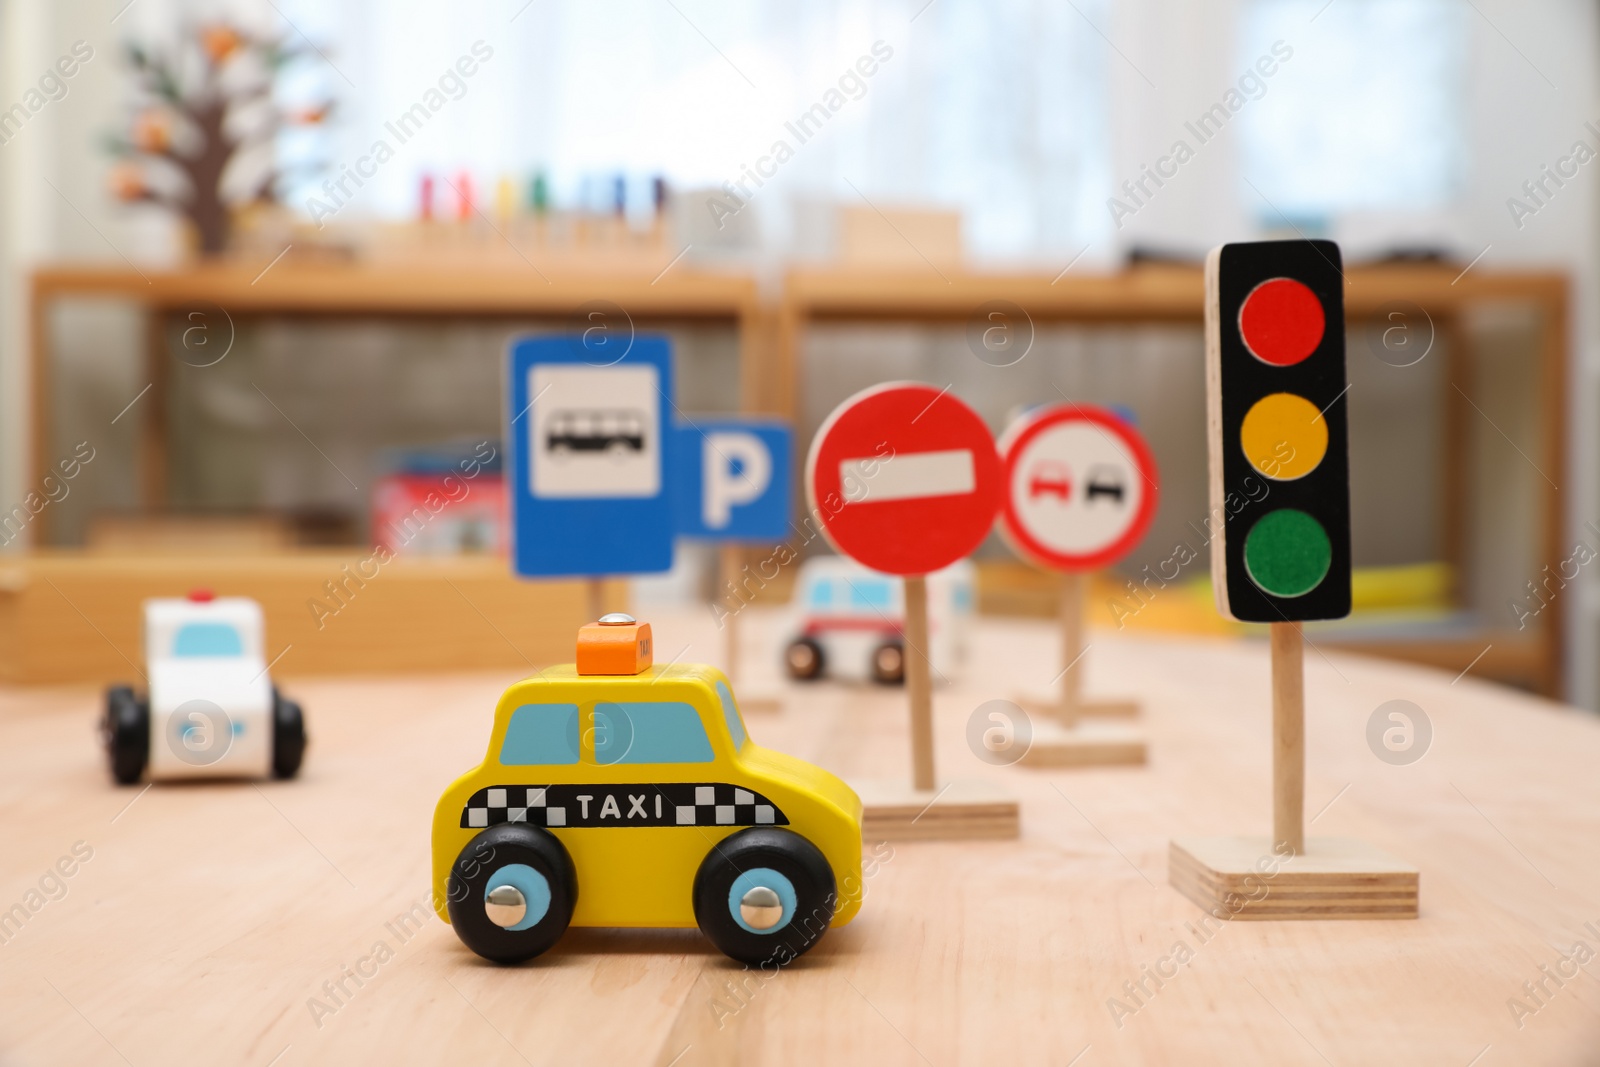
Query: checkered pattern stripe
[669, 804]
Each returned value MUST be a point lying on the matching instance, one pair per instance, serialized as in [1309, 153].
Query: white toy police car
[211, 711]
[850, 621]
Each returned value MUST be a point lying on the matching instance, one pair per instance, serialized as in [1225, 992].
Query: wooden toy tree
[202, 113]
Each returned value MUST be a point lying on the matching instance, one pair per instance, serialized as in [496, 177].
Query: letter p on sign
[733, 479]
[736, 469]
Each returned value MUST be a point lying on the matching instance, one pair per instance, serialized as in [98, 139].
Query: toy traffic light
[1275, 385]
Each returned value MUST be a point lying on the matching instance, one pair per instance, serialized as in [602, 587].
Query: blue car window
[541, 734]
[207, 639]
[963, 598]
[664, 731]
[822, 595]
[869, 593]
[731, 713]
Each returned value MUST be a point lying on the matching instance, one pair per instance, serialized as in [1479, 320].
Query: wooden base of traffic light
[926, 810]
[1333, 878]
[1285, 876]
[1064, 737]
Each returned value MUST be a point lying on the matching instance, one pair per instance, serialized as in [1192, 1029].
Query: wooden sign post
[1080, 491]
[1275, 406]
[904, 479]
[735, 488]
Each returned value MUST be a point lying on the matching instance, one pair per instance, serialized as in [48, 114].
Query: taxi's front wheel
[511, 892]
[764, 895]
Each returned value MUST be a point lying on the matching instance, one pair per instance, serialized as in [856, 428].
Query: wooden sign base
[963, 809]
[1062, 736]
[1084, 744]
[1335, 878]
[1043, 704]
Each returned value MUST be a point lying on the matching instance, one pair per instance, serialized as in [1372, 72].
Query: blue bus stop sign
[591, 449]
[734, 478]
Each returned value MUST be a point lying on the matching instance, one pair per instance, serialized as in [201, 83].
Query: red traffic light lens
[1281, 322]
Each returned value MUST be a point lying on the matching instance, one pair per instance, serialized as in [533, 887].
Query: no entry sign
[1080, 487]
[904, 478]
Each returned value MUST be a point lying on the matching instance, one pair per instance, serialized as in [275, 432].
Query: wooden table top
[207, 918]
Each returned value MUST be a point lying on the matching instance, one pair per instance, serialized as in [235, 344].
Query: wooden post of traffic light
[1288, 739]
[1279, 473]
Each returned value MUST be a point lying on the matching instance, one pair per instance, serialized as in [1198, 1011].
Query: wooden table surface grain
[214, 923]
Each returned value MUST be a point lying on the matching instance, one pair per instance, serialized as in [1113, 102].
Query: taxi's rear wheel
[804, 659]
[764, 895]
[511, 892]
[889, 663]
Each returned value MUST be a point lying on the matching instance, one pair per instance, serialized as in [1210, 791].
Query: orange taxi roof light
[616, 645]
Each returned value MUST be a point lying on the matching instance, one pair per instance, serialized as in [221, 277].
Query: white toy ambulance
[211, 711]
[852, 621]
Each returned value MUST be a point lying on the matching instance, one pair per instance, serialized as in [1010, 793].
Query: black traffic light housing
[1279, 439]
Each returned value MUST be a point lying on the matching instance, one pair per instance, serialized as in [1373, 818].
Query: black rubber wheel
[288, 736]
[747, 855]
[484, 864]
[889, 663]
[125, 731]
[804, 659]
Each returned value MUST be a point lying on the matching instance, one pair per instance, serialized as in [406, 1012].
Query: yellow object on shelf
[1187, 606]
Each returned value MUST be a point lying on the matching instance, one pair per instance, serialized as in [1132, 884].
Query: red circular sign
[904, 478]
[1281, 321]
[1079, 485]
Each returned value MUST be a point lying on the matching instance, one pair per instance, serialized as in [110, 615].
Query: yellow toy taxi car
[619, 793]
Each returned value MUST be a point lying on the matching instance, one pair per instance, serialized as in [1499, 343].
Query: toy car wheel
[889, 663]
[288, 736]
[511, 892]
[126, 733]
[764, 894]
[804, 659]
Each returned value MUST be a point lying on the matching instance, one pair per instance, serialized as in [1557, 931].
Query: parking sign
[734, 479]
[591, 446]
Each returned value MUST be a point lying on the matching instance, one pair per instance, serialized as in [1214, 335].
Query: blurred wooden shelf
[1174, 293]
[413, 289]
[770, 341]
[74, 617]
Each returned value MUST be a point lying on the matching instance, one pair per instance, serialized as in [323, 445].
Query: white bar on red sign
[910, 476]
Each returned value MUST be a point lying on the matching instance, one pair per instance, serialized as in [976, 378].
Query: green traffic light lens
[1287, 553]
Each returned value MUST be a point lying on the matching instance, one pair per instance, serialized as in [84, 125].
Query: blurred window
[998, 107]
[1367, 113]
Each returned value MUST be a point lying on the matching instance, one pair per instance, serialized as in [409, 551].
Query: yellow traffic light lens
[1287, 553]
[1284, 436]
